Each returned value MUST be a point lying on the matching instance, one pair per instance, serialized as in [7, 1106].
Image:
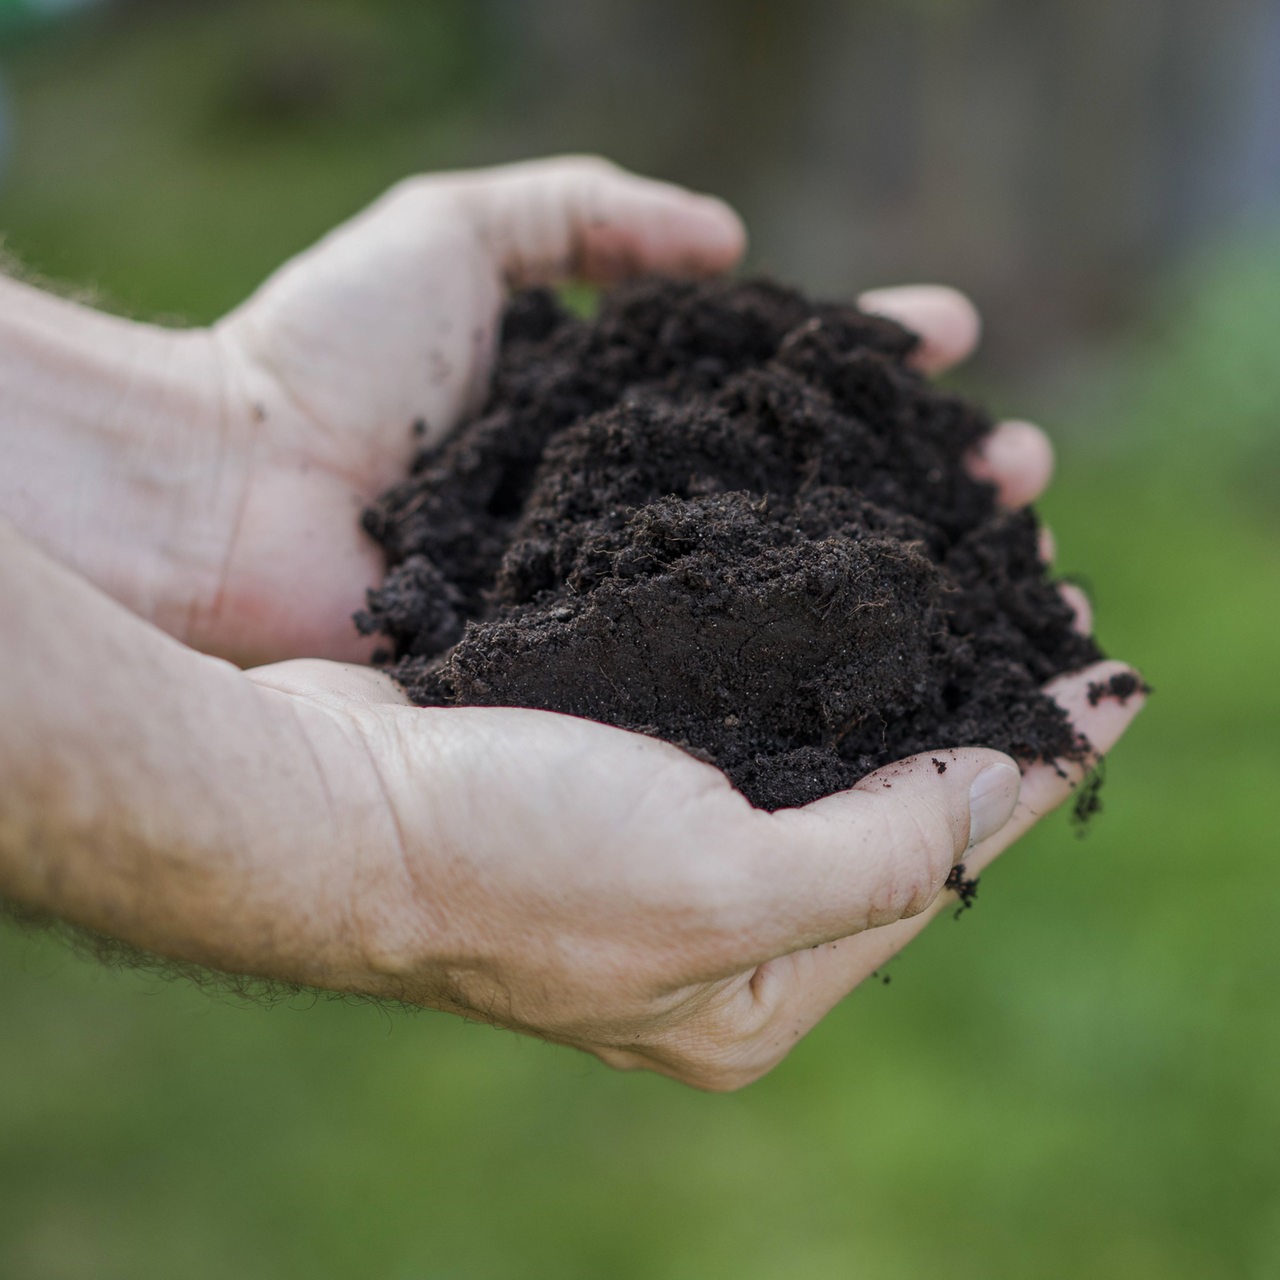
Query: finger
[1077, 601]
[1017, 458]
[878, 852]
[331, 682]
[582, 217]
[1046, 545]
[1080, 607]
[947, 322]
[1095, 712]
[790, 995]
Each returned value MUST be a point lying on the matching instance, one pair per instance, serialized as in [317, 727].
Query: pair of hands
[559, 877]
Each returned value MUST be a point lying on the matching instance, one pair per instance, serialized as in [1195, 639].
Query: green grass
[1078, 1079]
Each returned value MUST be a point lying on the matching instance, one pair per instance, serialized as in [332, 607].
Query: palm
[351, 353]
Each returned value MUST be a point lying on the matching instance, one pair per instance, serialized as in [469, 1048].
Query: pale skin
[176, 499]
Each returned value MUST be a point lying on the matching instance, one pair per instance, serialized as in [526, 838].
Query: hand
[549, 874]
[388, 326]
[212, 480]
[607, 891]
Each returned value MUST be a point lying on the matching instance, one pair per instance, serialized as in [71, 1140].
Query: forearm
[159, 796]
[115, 459]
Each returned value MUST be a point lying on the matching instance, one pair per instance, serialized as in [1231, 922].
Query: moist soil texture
[735, 519]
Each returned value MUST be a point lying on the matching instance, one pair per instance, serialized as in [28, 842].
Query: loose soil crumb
[729, 517]
[964, 887]
[1122, 686]
[1088, 798]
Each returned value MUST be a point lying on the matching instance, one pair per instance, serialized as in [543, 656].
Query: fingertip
[946, 320]
[1046, 545]
[982, 789]
[974, 790]
[1017, 457]
[1101, 701]
[583, 217]
[648, 226]
[993, 797]
[1078, 603]
[717, 235]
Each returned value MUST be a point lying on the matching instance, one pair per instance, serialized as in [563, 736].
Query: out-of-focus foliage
[1077, 1079]
[172, 156]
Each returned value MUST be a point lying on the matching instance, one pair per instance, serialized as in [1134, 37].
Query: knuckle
[588, 166]
[588, 185]
[417, 203]
[723, 896]
[720, 886]
[415, 189]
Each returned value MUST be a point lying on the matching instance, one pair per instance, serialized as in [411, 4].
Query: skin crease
[300, 821]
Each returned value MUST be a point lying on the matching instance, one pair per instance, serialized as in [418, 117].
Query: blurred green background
[1081, 1078]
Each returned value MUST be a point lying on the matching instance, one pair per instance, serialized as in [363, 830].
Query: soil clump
[735, 519]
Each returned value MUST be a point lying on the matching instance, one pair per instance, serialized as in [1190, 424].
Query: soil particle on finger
[736, 519]
[1121, 686]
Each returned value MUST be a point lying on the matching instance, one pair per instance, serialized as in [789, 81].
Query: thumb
[883, 851]
[583, 217]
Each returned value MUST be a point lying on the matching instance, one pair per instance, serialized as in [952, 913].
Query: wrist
[156, 796]
[115, 436]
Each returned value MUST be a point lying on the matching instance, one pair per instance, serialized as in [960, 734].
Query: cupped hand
[604, 890]
[378, 339]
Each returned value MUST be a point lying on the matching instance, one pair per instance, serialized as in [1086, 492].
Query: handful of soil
[729, 517]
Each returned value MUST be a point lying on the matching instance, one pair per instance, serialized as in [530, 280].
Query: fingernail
[992, 799]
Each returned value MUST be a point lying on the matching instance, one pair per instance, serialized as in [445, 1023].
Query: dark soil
[731, 518]
[1121, 686]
